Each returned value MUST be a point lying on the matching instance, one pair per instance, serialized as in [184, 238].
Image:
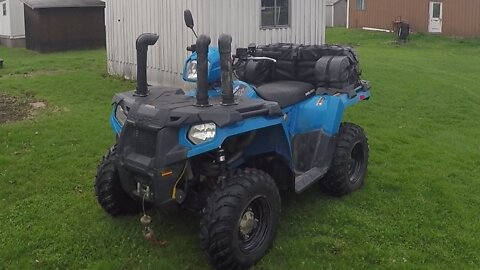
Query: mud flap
[312, 156]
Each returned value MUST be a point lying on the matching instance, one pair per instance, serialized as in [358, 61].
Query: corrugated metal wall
[5, 29]
[340, 16]
[126, 19]
[460, 17]
[329, 16]
[17, 19]
[381, 13]
[336, 14]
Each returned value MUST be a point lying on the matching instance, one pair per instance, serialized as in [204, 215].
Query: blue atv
[226, 148]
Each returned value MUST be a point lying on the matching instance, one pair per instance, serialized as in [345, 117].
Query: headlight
[202, 133]
[190, 73]
[192, 70]
[120, 114]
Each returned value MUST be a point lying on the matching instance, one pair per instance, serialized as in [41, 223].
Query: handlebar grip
[192, 48]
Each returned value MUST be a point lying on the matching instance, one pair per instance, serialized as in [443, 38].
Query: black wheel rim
[356, 162]
[254, 224]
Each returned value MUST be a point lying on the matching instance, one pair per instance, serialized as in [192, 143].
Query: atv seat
[286, 93]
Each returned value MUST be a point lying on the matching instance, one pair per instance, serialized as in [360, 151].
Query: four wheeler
[226, 148]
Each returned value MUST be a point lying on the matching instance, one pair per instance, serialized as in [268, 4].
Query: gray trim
[12, 42]
[331, 2]
[38, 4]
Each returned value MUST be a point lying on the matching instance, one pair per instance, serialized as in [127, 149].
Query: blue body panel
[116, 126]
[255, 123]
[319, 112]
[271, 139]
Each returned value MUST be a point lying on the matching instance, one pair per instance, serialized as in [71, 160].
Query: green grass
[418, 209]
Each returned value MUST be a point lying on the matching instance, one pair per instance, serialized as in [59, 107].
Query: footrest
[308, 178]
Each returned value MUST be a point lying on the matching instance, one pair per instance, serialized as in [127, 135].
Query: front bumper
[151, 162]
[158, 187]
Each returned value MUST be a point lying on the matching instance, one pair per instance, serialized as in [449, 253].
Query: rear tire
[108, 189]
[240, 220]
[349, 165]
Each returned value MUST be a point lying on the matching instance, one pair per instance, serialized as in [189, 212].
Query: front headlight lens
[192, 70]
[120, 114]
[202, 133]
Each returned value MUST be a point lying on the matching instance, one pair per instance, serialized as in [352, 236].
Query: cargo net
[329, 68]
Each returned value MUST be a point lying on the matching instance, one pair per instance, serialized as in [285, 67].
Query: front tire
[349, 165]
[240, 220]
[108, 189]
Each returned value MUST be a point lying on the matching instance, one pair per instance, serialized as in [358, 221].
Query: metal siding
[12, 26]
[126, 19]
[5, 29]
[381, 13]
[340, 16]
[17, 20]
[461, 18]
[329, 16]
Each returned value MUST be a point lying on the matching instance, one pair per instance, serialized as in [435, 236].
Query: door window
[361, 5]
[436, 10]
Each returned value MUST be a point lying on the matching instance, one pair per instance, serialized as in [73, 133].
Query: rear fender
[322, 112]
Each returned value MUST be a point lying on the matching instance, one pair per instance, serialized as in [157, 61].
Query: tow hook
[148, 232]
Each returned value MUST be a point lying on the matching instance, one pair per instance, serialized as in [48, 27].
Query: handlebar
[257, 58]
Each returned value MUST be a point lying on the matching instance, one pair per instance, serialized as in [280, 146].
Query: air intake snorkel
[143, 41]
[225, 49]
[202, 44]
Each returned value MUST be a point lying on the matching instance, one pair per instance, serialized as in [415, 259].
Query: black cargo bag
[254, 71]
[334, 72]
[297, 63]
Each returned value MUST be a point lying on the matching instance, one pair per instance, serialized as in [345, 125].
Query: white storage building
[336, 15]
[257, 21]
[12, 23]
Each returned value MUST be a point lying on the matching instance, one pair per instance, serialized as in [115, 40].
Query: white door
[435, 18]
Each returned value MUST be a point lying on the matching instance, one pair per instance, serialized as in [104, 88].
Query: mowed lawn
[418, 209]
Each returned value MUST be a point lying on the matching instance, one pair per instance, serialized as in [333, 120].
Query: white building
[257, 21]
[12, 23]
[336, 14]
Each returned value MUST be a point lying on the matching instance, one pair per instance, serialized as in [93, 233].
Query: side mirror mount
[188, 18]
